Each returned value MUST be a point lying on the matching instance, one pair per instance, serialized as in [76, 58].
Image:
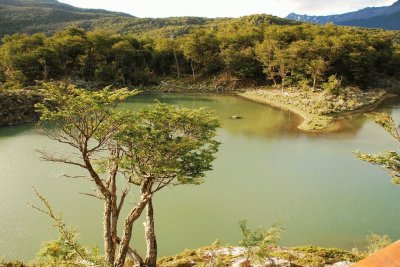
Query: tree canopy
[248, 49]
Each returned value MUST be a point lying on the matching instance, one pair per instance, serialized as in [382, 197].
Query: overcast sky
[227, 8]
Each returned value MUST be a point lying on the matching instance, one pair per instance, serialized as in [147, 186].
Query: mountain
[34, 15]
[48, 16]
[387, 17]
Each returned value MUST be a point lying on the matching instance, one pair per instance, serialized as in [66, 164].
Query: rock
[272, 262]
[341, 264]
[236, 117]
[18, 107]
[275, 262]
[240, 262]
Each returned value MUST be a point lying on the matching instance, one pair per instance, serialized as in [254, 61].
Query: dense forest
[251, 49]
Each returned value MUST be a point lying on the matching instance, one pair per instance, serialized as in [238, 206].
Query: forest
[250, 49]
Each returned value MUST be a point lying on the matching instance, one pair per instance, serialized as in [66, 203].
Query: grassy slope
[48, 16]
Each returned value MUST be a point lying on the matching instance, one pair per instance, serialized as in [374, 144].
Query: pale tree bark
[151, 240]
[108, 244]
[314, 83]
[134, 214]
[192, 66]
[177, 65]
[133, 254]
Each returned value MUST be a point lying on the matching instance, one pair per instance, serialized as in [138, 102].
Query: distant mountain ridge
[49, 16]
[31, 15]
[387, 17]
[54, 4]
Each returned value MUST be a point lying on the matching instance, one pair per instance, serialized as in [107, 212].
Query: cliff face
[18, 107]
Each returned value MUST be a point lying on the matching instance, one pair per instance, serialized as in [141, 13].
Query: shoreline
[305, 116]
[329, 122]
[310, 122]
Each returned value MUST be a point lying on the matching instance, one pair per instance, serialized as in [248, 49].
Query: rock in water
[236, 117]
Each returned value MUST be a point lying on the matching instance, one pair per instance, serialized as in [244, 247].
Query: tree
[166, 146]
[265, 52]
[164, 48]
[317, 68]
[256, 242]
[157, 147]
[242, 62]
[70, 45]
[201, 48]
[25, 59]
[390, 160]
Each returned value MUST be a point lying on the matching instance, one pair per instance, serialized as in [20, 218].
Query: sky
[226, 8]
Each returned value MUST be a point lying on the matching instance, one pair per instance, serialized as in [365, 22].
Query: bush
[333, 85]
[377, 242]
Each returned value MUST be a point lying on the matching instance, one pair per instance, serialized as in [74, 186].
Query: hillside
[49, 16]
[30, 16]
[386, 17]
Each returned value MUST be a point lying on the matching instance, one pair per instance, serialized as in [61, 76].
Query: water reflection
[258, 119]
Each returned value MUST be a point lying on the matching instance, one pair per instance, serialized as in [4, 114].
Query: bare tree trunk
[273, 79]
[272, 75]
[114, 208]
[177, 65]
[191, 65]
[151, 240]
[133, 215]
[314, 84]
[133, 254]
[108, 242]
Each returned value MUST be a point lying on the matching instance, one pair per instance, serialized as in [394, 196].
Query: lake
[266, 171]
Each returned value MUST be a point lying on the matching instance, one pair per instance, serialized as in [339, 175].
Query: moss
[186, 258]
[286, 255]
[198, 257]
[326, 255]
[318, 123]
[315, 256]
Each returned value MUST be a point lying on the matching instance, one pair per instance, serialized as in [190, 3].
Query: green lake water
[267, 171]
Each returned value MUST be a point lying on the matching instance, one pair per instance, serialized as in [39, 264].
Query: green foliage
[66, 249]
[169, 143]
[153, 148]
[332, 86]
[256, 243]
[377, 242]
[256, 49]
[390, 160]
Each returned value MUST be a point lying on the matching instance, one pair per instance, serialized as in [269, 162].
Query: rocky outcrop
[18, 107]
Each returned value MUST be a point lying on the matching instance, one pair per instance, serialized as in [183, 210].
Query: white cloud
[227, 8]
